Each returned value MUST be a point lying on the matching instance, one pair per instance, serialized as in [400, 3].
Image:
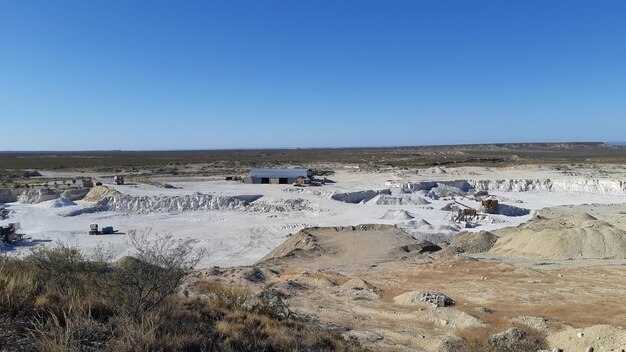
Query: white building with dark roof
[277, 175]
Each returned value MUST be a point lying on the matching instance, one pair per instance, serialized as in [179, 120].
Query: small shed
[277, 175]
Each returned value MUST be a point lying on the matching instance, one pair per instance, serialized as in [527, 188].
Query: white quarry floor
[241, 236]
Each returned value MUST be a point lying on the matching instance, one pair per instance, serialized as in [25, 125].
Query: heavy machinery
[9, 234]
[301, 181]
[479, 195]
[118, 180]
[107, 230]
[461, 212]
[490, 205]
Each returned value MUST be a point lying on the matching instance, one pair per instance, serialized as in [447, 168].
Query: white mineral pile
[38, 195]
[151, 204]
[56, 203]
[596, 186]
[435, 190]
[283, 205]
[441, 188]
[419, 224]
[194, 202]
[359, 196]
[75, 193]
[385, 199]
[392, 214]
[34, 196]
[449, 228]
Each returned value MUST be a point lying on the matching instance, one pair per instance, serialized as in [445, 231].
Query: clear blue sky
[122, 74]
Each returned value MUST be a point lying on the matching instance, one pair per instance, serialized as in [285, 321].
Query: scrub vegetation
[57, 300]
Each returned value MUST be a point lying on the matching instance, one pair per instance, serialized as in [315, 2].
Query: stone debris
[436, 299]
[506, 339]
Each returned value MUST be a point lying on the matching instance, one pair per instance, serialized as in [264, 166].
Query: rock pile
[437, 299]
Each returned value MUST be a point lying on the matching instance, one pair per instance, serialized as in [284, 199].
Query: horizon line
[302, 148]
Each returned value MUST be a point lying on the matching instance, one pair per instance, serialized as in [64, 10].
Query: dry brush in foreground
[57, 300]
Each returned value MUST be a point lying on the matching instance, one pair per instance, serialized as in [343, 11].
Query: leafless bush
[142, 282]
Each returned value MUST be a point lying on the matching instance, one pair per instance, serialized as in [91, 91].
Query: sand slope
[346, 245]
[472, 242]
[579, 236]
[97, 193]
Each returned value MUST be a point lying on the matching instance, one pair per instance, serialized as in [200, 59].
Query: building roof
[279, 173]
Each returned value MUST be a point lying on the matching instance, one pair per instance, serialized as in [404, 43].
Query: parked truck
[118, 179]
[107, 230]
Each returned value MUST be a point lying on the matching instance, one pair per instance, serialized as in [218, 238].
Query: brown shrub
[77, 312]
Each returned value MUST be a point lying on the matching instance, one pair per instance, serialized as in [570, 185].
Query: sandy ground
[352, 278]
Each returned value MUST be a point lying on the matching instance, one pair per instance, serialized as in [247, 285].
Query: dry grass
[73, 314]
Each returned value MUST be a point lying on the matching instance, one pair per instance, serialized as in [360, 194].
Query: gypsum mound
[195, 202]
[607, 187]
[359, 196]
[384, 199]
[463, 187]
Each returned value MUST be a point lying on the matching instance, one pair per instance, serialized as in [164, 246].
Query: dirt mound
[98, 193]
[417, 297]
[434, 308]
[393, 214]
[579, 236]
[333, 246]
[471, 242]
[314, 281]
[581, 217]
